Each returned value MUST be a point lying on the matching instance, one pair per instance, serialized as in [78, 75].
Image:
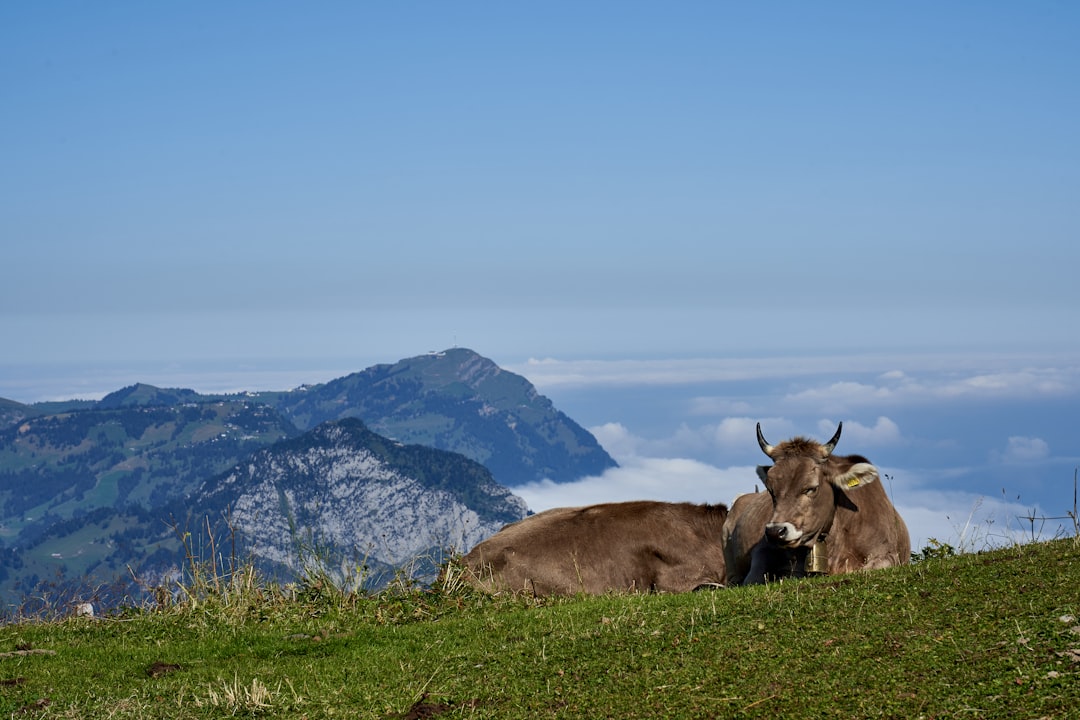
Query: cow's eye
[809, 492]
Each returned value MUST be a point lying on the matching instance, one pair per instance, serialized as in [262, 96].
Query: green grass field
[987, 635]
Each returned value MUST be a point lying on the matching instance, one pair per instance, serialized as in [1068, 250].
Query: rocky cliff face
[342, 496]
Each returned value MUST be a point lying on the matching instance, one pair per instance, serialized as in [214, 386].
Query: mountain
[343, 496]
[142, 395]
[460, 401]
[82, 493]
[12, 412]
[339, 499]
[60, 465]
[455, 400]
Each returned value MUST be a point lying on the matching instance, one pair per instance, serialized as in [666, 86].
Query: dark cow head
[807, 483]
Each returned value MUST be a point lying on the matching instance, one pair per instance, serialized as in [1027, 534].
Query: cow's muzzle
[784, 534]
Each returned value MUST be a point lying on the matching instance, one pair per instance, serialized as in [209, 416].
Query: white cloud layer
[883, 432]
[733, 437]
[550, 372]
[897, 376]
[899, 388]
[668, 479]
[1024, 450]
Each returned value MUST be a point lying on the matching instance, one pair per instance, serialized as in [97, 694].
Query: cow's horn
[765, 447]
[831, 445]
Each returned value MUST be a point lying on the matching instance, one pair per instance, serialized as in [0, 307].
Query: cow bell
[817, 560]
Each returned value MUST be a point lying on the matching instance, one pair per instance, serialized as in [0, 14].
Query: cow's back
[868, 535]
[633, 546]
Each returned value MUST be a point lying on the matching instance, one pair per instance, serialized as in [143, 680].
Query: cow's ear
[857, 475]
[763, 473]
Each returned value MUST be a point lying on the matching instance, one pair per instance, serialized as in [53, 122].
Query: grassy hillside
[989, 635]
[86, 494]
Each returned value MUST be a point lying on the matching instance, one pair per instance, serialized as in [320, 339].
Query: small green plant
[236, 698]
[933, 550]
[1073, 514]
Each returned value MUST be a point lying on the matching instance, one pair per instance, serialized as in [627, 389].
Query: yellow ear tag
[853, 482]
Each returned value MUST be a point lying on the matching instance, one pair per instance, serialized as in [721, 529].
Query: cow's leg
[768, 562]
[759, 565]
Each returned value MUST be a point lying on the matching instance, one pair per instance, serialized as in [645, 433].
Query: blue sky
[261, 194]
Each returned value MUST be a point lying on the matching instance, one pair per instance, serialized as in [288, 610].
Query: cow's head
[807, 482]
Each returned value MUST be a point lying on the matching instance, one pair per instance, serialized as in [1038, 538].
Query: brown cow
[813, 497]
[640, 546]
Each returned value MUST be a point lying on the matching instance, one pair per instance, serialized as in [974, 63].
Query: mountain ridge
[453, 400]
[456, 400]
